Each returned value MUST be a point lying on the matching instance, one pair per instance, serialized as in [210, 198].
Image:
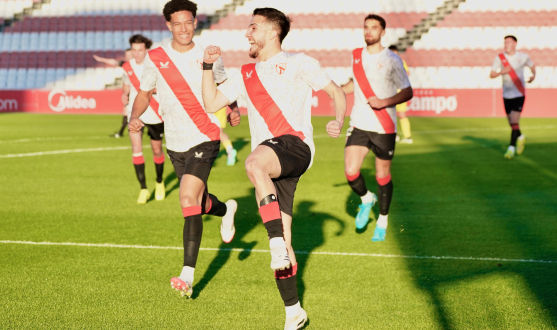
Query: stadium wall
[426, 102]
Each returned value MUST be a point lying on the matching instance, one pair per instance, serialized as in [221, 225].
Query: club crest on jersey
[248, 74]
[357, 60]
[200, 64]
[281, 67]
[164, 65]
[130, 73]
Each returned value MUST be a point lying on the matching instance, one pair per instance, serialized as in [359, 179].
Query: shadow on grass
[308, 235]
[247, 209]
[474, 203]
[238, 144]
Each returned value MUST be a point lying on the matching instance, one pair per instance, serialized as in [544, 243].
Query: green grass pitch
[455, 196]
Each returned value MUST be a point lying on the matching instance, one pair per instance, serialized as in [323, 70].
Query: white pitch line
[51, 139]
[349, 254]
[68, 151]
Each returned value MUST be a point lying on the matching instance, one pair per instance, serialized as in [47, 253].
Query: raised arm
[213, 99]
[108, 61]
[339, 99]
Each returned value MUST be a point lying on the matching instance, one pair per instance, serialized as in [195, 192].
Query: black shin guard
[124, 124]
[358, 185]
[218, 208]
[193, 229]
[270, 214]
[385, 195]
[140, 173]
[287, 285]
[159, 168]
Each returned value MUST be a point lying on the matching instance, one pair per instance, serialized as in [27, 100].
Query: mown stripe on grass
[348, 254]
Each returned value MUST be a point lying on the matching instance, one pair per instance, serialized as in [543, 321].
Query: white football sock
[292, 311]
[367, 198]
[229, 149]
[521, 137]
[383, 221]
[187, 274]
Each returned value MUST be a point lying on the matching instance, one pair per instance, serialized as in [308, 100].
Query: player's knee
[382, 173]
[188, 200]
[351, 171]
[253, 168]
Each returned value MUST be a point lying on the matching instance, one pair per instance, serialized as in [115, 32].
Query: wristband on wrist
[207, 66]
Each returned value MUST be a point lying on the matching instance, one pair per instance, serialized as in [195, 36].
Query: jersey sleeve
[496, 64]
[219, 74]
[126, 79]
[528, 62]
[149, 77]
[231, 88]
[400, 77]
[311, 72]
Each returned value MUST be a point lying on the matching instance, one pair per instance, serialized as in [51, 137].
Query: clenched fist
[333, 128]
[234, 118]
[212, 54]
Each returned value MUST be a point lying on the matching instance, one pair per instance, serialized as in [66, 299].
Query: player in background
[133, 69]
[510, 66]
[278, 92]
[114, 62]
[378, 74]
[402, 107]
[224, 139]
[192, 136]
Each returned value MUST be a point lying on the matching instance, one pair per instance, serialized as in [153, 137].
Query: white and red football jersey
[385, 74]
[177, 78]
[278, 96]
[132, 77]
[518, 61]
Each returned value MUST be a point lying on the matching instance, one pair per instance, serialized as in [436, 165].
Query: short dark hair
[378, 18]
[511, 36]
[174, 6]
[393, 48]
[140, 39]
[277, 18]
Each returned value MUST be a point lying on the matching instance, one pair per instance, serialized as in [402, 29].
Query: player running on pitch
[192, 135]
[402, 108]
[510, 65]
[278, 93]
[378, 73]
[133, 70]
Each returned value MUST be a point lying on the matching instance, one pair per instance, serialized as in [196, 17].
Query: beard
[372, 41]
[255, 53]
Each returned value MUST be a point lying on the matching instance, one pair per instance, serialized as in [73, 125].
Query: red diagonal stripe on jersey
[135, 83]
[183, 92]
[265, 105]
[384, 118]
[513, 75]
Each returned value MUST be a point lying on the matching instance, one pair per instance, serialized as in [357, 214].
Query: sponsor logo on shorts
[248, 74]
[437, 104]
[281, 67]
[198, 154]
[8, 105]
[273, 142]
[69, 102]
[164, 65]
[391, 152]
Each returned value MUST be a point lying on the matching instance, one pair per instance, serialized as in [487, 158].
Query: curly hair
[174, 6]
[276, 18]
[140, 39]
